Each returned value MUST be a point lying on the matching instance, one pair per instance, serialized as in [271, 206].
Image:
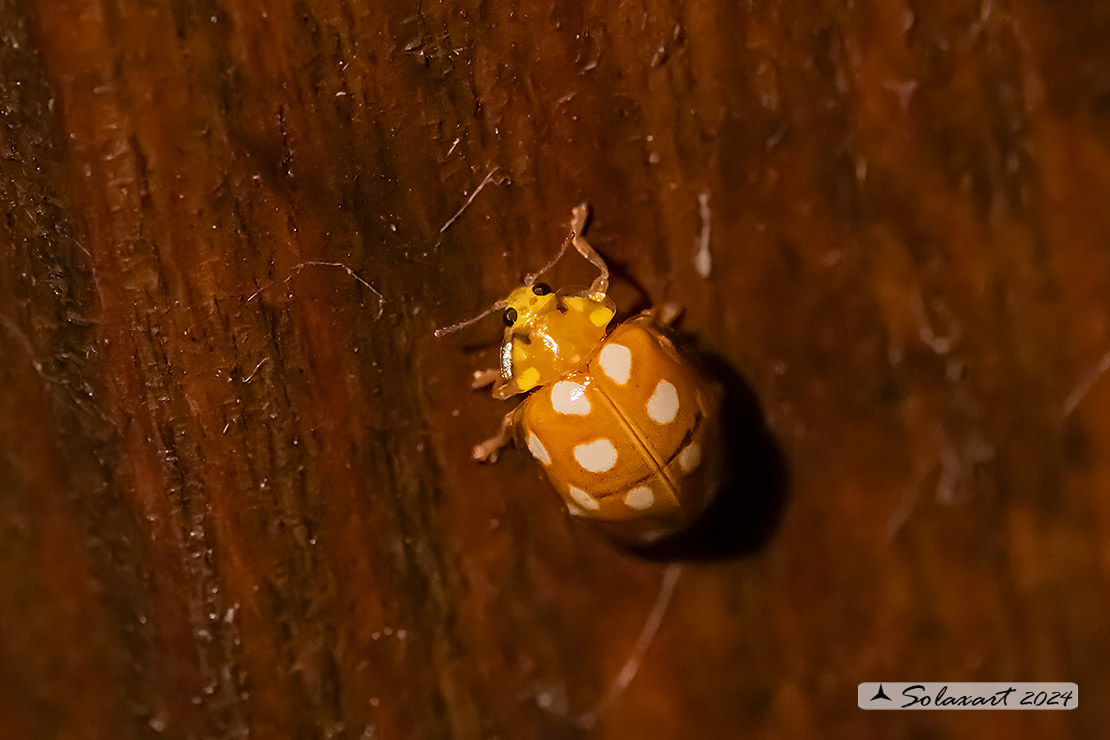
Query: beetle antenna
[444, 331]
[579, 215]
[531, 278]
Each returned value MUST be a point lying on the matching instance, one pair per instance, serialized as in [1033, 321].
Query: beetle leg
[482, 378]
[665, 313]
[577, 224]
[489, 450]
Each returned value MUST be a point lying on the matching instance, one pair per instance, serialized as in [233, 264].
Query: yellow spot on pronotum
[600, 316]
[528, 379]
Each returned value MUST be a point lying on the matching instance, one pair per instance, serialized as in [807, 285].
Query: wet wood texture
[235, 491]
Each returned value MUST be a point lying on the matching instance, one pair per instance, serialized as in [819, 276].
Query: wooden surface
[235, 493]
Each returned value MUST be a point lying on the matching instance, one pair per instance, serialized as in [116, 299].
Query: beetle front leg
[484, 378]
[665, 313]
[577, 224]
[489, 450]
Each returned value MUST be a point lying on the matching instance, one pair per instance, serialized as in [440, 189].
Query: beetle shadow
[752, 499]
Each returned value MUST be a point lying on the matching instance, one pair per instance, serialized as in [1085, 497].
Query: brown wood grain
[235, 488]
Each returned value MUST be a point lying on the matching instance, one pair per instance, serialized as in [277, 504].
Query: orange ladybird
[623, 423]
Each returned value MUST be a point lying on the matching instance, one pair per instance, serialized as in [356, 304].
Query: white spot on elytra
[689, 458]
[570, 398]
[583, 499]
[616, 362]
[597, 456]
[662, 407]
[639, 498]
[538, 450]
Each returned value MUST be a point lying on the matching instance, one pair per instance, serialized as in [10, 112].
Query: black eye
[541, 288]
[509, 316]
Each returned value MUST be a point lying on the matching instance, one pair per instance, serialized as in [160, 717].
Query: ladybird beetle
[623, 423]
